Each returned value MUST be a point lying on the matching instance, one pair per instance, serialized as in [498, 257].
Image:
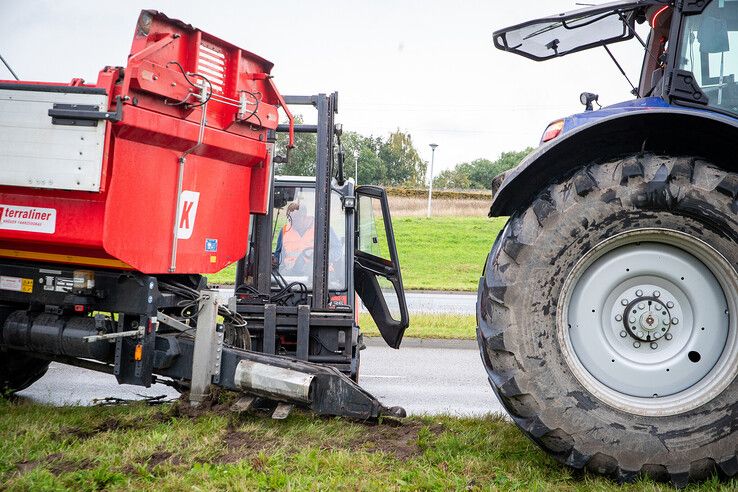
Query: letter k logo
[188, 202]
[184, 220]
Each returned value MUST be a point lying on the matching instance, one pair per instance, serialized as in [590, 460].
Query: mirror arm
[631, 29]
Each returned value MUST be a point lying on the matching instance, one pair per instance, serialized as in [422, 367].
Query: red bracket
[287, 111]
[142, 54]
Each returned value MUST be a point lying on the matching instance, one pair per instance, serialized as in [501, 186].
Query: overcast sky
[427, 67]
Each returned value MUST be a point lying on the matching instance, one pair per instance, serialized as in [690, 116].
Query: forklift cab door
[376, 265]
[562, 34]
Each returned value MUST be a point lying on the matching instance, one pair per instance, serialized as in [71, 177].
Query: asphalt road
[429, 377]
[424, 377]
[421, 302]
[436, 302]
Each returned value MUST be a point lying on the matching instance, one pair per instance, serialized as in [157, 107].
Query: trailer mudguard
[665, 130]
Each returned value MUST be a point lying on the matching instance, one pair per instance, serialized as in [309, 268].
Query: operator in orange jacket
[293, 254]
[294, 251]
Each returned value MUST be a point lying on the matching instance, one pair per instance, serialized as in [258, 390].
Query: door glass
[372, 233]
[570, 32]
[294, 235]
[337, 245]
[709, 49]
[390, 297]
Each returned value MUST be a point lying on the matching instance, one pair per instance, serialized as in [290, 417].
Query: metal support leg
[303, 332]
[207, 350]
[270, 329]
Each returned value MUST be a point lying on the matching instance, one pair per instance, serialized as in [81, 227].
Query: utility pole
[430, 185]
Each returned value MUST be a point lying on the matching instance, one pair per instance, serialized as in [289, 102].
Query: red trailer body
[166, 189]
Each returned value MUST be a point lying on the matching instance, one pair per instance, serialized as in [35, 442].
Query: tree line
[478, 174]
[392, 161]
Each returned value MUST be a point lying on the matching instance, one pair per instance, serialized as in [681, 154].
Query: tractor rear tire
[574, 329]
[18, 371]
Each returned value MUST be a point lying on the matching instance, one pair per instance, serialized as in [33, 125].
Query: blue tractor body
[702, 107]
[590, 117]
[607, 313]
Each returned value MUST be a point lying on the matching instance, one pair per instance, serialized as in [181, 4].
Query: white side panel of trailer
[35, 153]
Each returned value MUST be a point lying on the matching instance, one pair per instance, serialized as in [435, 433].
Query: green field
[224, 277]
[443, 253]
[446, 326]
[156, 448]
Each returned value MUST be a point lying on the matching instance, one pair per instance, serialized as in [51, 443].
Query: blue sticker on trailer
[211, 245]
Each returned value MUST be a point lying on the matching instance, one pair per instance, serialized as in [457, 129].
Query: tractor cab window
[709, 49]
[293, 235]
[559, 35]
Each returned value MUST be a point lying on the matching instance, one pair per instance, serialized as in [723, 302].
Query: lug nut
[656, 293]
[637, 344]
[654, 345]
[619, 318]
[639, 293]
[632, 319]
[623, 334]
[669, 336]
[670, 304]
[674, 321]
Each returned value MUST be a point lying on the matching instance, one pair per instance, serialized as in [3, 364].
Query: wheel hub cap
[649, 321]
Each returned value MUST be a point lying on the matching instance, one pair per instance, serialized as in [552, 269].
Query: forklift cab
[293, 234]
[322, 248]
[361, 247]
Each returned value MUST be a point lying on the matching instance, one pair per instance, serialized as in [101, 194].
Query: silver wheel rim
[647, 322]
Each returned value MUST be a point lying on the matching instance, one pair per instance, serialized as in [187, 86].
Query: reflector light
[552, 131]
[657, 14]
[138, 353]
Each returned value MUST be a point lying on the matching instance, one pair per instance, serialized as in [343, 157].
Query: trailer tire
[18, 371]
[544, 273]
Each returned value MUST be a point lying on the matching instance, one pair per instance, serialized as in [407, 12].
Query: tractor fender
[665, 130]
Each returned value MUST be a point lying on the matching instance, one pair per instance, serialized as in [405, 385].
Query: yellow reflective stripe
[51, 257]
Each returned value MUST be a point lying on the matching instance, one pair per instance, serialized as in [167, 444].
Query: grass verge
[226, 276]
[446, 326]
[145, 448]
[444, 253]
[441, 253]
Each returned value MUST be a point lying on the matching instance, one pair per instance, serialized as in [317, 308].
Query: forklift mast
[327, 106]
[308, 323]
